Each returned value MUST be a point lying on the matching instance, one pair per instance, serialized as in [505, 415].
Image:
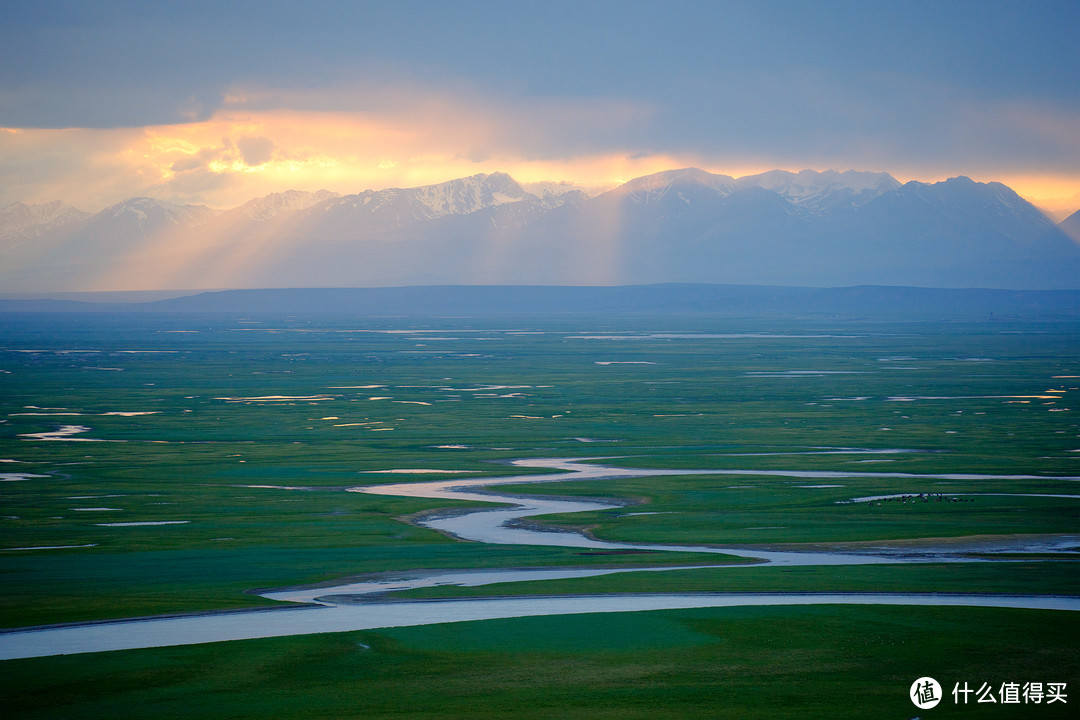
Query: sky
[219, 102]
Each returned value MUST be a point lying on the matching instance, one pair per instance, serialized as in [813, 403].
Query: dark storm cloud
[928, 84]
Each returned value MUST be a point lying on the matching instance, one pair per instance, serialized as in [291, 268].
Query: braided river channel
[361, 605]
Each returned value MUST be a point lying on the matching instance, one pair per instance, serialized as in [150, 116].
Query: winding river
[503, 525]
[348, 607]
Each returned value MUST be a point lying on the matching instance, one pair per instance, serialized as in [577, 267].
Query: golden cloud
[348, 140]
[345, 140]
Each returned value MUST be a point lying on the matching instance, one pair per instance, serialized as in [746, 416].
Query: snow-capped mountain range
[813, 192]
[284, 203]
[781, 228]
[20, 221]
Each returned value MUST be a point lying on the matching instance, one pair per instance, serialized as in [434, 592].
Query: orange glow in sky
[240, 154]
[230, 159]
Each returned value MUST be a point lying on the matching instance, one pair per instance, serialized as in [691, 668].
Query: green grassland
[259, 425]
[760, 509]
[779, 662]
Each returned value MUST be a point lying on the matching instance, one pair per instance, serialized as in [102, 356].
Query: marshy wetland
[192, 465]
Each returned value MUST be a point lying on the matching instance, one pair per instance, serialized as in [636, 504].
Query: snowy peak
[20, 220]
[782, 180]
[551, 195]
[455, 197]
[384, 210]
[467, 195]
[964, 188]
[818, 192]
[277, 205]
[755, 203]
[657, 185]
[995, 206]
[143, 213]
[688, 225]
[809, 190]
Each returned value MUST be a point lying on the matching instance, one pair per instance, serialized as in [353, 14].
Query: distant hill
[821, 229]
[1071, 226]
[858, 302]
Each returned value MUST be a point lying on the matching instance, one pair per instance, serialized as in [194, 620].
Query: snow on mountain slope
[380, 211]
[979, 210]
[822, 191]
[689, 225]
[456, 197]
[503, 200]
[655, 186]
[145, 214]
[275, 205]
[20, 220]
[812, 191]
[554, 194]
[125, 243]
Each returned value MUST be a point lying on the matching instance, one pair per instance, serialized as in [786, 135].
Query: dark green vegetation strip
[1050, 578]
[768, 663]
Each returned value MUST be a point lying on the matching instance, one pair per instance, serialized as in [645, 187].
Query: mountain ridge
[826, 228]
[22, 220]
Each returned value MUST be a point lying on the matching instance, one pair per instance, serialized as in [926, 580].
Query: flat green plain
[246, 432]
[828, 662]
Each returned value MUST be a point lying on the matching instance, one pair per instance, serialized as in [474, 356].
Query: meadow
[159, 464]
